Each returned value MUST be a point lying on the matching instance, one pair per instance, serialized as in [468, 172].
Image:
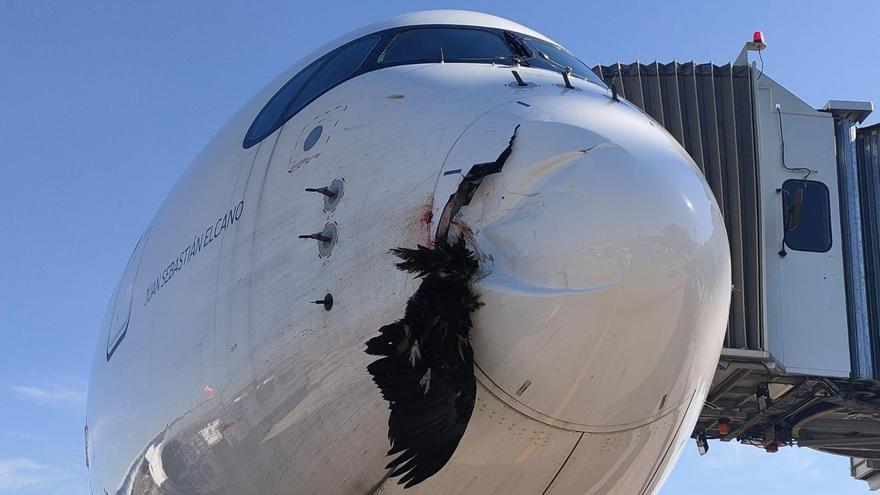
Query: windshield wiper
[520, 51]
[554, 63]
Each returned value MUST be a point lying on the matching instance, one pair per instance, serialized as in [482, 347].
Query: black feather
[430, 391]
[426, 372]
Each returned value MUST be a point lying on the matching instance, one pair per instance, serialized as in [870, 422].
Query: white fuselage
[605, 276]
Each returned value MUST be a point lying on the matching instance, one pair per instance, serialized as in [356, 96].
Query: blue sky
[103, 105]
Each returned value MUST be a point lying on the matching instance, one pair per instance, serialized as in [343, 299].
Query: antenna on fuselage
[613, 88]
[565, 77]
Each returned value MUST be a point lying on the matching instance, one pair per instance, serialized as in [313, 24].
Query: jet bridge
[799, 188]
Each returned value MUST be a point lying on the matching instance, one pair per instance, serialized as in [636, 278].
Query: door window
[806, 215]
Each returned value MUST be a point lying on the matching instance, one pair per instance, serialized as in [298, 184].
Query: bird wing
[427, 370]
[425, 428]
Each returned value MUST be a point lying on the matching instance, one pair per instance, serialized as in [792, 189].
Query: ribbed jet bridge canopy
[708, 109]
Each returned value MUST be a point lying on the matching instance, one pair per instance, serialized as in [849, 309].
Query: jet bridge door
[805, 301]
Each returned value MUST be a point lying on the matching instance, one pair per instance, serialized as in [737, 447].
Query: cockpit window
[549, 56]
[408, 45]
[269, 118]
[313, 81]
[436, 44]
[337, 69]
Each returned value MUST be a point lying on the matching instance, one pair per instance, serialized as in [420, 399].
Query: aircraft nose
[607, 279]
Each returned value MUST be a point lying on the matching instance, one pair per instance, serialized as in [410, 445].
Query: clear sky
[104, 104]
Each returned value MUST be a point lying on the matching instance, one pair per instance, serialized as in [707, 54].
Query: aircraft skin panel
[644, 288]
[621, 462]
[168, 348]
[387, 192]
[604, 273]
[523, 456]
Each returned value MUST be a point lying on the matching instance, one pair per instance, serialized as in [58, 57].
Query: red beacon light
[757, 43]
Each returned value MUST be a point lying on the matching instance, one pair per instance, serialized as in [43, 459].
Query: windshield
[409, 45]
[549, 56]
[442, 44]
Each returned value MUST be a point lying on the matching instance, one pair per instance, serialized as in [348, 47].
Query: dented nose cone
[606, 262]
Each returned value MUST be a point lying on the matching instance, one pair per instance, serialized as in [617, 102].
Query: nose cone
[608, 271]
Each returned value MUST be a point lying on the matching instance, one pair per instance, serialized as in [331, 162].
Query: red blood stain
[208, 392]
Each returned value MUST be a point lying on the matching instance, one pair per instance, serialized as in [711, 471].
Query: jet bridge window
[316, 79]
[436, 44]
[806, 215]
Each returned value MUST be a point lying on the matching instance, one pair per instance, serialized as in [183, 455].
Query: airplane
[549, 269]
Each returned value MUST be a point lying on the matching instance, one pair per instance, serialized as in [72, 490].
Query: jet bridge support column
[846, 116]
